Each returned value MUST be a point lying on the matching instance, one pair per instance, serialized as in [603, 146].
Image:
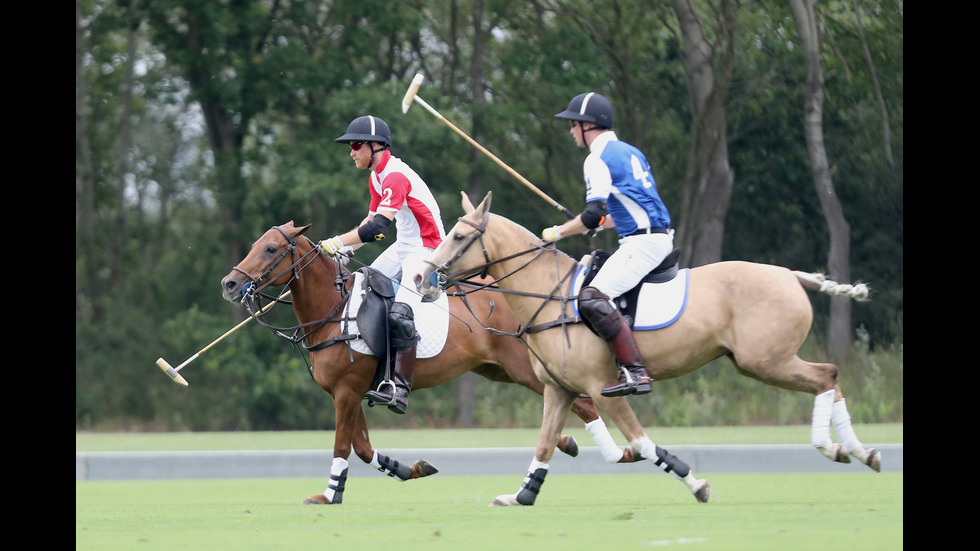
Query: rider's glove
[331, 246]
[344, 255]
[551, 234]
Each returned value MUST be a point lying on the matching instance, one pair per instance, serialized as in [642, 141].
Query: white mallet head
[412, 90]
[170, 371]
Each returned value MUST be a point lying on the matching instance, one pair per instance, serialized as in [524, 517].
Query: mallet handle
[513, 172]
[229, 332]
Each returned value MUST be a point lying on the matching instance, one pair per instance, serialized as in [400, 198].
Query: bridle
[443, 279]
[255, 282]
[252, 295]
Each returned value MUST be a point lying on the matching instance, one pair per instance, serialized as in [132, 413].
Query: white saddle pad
[660, 304]
[431, 322]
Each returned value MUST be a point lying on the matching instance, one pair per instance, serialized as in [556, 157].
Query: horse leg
[624, 417]
[347, 406]
[826, 412]
[556, 405]
[381, 462]
[829, 407]
[585, 409]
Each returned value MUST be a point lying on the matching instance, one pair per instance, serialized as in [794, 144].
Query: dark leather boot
[403, 338]
[404, 373]
[633, 376]
[397, 399]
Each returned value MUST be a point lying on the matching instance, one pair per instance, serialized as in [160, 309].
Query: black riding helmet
[369, 129]
[589, 107]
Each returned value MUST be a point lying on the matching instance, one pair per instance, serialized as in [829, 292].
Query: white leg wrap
[375, 464]
[535, 465]
[645, 447]
[607, 447]
[842, 426]
[823, 406]
[336, 469]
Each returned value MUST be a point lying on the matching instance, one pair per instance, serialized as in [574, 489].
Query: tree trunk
[466, 385]
[838, 264]
[118, 250]
[84, 186]
[709, 180]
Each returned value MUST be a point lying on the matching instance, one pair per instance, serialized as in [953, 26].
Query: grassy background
[757, 512]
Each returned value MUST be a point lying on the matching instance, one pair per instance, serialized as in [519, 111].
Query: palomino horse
[757, 315]
[321, 286]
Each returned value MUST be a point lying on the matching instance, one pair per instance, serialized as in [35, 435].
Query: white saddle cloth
[431, 322]
[660, 304]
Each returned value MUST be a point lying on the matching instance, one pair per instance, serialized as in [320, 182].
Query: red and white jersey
[395, 187]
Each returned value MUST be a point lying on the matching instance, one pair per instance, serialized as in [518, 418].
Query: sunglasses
[356, 146]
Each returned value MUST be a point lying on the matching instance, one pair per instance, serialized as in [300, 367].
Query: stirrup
[376, 397]
[627, 385]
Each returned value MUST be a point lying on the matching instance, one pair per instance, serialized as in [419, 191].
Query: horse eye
[458, 236]
[271, 249]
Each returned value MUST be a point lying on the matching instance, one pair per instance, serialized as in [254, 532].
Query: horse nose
[229, 286]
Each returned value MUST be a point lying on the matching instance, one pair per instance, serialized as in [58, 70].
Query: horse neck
[540, 273]
[315, 294]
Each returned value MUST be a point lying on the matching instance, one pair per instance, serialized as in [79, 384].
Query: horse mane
[532, 236]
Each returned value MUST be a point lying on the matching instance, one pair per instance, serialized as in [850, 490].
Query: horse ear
[486, 203]
[467, 204]
[303, 229]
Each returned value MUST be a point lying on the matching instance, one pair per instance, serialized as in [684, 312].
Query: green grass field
[757, 512]
[597, 512]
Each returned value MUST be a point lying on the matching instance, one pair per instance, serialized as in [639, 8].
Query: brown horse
[321, 286]
[757, 315]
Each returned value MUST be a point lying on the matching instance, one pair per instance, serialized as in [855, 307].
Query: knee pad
[602, 316]
[401, 324]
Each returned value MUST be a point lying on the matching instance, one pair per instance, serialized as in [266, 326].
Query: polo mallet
[412, 95]
[172, 372]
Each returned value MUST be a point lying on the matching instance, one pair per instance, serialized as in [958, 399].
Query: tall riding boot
[403, 342]
[609, 324]
[397, 398]
[404, 373]
[634, 379]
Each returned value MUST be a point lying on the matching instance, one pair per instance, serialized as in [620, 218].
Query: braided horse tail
[819, 282]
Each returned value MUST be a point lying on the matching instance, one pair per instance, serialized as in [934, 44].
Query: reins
[253, 295]
[454, 279]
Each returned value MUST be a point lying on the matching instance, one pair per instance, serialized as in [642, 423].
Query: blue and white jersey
[619, 174]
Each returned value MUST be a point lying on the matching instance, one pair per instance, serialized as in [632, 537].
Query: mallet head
[170, 371]
[412, 90]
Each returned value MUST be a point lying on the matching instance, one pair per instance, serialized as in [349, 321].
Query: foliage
[200, 125]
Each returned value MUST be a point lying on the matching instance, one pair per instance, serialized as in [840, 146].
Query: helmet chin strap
[373, 151]
[581, 127]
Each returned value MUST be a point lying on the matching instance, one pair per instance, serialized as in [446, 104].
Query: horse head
[274, 259]
[456, 258]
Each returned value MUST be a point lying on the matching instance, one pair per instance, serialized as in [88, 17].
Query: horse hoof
[874, 460]
[835, 452]
[318, 499]
[569, 445]
[630, 456]
[505, 501]
[703, 493]
[423, 468]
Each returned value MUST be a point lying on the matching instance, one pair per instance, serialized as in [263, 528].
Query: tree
[709, 61]
[838, 258]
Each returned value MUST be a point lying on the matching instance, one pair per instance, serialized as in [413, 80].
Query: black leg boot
[403, 337]
[404, 373]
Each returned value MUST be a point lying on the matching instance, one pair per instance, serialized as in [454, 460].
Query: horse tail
[819, 282]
